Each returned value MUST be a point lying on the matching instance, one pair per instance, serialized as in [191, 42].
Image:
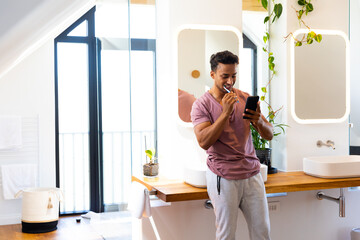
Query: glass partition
[354, 34]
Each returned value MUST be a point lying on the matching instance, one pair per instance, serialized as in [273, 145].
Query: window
[248, 66]
[105, 106]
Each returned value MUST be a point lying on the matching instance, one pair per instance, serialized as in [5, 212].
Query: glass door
[116, 133]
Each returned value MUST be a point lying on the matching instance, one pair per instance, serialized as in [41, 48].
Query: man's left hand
[259, 122]
[254, 116]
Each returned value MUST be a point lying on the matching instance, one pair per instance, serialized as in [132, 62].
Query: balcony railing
[123, 153]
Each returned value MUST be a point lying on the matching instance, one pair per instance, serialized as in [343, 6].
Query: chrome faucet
[328, 143]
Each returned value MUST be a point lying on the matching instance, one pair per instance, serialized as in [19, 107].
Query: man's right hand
[206, 133]
[228, 102]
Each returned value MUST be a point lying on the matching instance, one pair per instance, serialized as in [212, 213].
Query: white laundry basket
[40, 209]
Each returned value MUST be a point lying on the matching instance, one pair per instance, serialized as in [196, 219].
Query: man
[233, 176]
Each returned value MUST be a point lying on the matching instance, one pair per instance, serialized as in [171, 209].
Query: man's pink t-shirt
[233, 155]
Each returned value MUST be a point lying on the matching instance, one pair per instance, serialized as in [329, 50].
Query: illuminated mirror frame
[347, 80]
[201, 27]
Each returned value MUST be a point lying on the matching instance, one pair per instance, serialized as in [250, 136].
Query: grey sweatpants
[248, 195]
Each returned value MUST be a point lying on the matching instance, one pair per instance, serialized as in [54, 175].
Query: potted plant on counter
[151, 168]
[263, 151]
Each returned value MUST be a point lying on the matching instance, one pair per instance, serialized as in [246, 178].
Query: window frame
[95, 139]
[247, 43]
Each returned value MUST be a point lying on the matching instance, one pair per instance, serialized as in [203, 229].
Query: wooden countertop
[170, 190]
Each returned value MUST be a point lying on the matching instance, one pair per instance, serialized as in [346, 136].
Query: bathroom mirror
[195, 46]
[320, 78]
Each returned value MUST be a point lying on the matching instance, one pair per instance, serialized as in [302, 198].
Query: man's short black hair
[224, 57]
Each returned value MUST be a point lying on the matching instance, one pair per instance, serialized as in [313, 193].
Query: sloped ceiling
[26, 25]
[13, 11]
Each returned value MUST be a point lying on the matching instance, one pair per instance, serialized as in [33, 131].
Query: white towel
[139, 203]
[16, 177]
[10, 132]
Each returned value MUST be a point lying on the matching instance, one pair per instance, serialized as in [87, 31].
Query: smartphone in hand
[251, 103]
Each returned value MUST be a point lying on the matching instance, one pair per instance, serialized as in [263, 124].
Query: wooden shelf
[299, 181]
[170, 190]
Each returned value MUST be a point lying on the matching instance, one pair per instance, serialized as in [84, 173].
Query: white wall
[300, 140]
[28, 91]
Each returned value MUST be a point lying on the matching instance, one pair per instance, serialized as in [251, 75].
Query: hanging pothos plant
[273, 15]
[306, 7]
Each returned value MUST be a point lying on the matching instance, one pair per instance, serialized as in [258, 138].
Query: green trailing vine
[274, 14]
[305, 8]
[311, 36]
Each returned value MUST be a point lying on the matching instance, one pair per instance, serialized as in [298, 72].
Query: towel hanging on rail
[139, 204]
[16, 177]
[10, 132]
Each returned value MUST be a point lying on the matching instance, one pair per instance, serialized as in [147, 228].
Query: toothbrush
[229, 92]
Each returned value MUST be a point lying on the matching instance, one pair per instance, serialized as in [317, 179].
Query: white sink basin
[196, 175]
[332, 166]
